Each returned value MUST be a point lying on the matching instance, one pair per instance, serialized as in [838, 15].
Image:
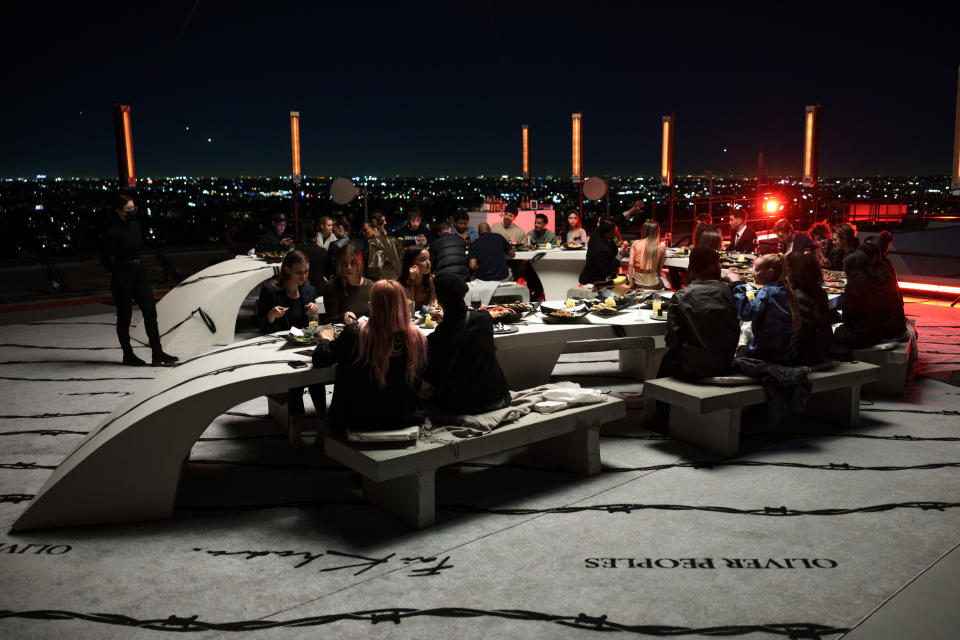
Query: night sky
[434, 90]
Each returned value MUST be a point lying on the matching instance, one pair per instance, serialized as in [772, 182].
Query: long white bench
[401, 480]
[708, 416]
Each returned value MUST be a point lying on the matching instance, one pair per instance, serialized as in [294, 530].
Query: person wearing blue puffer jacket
[774, 312]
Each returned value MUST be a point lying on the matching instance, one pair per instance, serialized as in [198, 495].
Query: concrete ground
[809, 533]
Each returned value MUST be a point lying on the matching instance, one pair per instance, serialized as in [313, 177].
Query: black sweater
[358, 403]
[121, 243]
[462, 364]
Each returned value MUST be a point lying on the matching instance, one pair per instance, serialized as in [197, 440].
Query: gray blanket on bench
[786, 388]
[458, 427]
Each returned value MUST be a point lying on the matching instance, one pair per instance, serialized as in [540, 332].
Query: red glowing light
[771, 206]
[928, 286]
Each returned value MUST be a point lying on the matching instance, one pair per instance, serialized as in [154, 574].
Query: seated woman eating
[416, 277]
[285, 302]
[774, 312]
[379, 361]
[815, 333]
[462, 365]
[646, 258]
[347, 296]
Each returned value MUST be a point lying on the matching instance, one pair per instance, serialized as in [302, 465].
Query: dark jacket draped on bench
[358, 403]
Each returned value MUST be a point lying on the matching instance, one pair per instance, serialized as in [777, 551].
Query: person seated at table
[773, 312]
[416, 277]
[379, 361]
[710, 237]
[603, 256]
[573, 231]
[448, 253]
[871, 311]
[791, 240]
[461, 227]
[540, 235]
[703, 220]
[512, 232]
[828, 254]
[743, 239]
[882, 242]
[702, 324]
[343, 229]
[276, 239]
[414, 232]
[845, 239]
[346, 297]
[462, 366]
[646, 258]
[383, 251]
[488, 255]
[287, 301]
[316, 254]
[815, 333]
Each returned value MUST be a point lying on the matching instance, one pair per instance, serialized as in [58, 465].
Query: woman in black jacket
[285, 302]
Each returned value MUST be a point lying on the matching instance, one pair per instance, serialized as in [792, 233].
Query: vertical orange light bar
[526, 151]
[295, 144]
[128, 145]
[577, 147]
[955, 176]
[666, 155]
[811, 144]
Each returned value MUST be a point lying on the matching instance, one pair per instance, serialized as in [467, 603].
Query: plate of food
[271, 256]
[428, 320]
[564, 315]
[605, 308]
[575, 246]
[296, 336]
[525, 247]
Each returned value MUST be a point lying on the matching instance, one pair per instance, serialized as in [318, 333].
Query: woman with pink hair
[379, 362]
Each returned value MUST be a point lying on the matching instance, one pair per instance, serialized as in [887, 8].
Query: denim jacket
[774, 339]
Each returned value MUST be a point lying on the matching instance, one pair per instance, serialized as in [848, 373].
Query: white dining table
[558, 269]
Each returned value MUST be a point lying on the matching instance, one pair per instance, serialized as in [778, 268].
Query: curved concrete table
[129, 467]
[219, 290]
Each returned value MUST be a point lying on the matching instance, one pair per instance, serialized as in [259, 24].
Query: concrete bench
[401, 480]
[896, 363]
[708, 415]
[635, 353]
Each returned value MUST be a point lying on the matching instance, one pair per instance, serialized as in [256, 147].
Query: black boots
[130, 359]
[161, 359]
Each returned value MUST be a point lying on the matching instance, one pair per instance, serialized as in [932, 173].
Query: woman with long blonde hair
[646, 258]
[378, 365]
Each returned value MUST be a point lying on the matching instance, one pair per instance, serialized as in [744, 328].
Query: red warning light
[771, 206]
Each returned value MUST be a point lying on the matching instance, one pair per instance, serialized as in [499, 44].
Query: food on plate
[571, 303]
[548, 246]
[610, 302]
[620, 279]
[574, 245]
[562, 313]
[428, 321]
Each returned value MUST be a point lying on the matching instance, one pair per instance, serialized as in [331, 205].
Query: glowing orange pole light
[927, 286]
[577, 147]
[526, 151]
[295, 144]
[811, 146]
[124, 132]
[666, 156]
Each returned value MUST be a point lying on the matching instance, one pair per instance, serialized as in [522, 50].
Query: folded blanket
[455, 427]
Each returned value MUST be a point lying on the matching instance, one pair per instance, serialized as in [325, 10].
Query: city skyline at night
[434, 90]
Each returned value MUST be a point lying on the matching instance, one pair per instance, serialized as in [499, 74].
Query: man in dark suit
[791, 240]
[743, 239]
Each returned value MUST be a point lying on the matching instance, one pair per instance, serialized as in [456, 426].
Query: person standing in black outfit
[462, 365]
[120, 255]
